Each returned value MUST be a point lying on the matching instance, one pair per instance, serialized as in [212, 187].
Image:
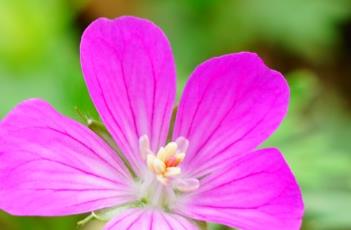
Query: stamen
[187, 185]
[149, 160]
[144, 146]
[172, 171]
[163, 181]
[165, 164]
[168, 151]
[180, 157]
[158, 166]
[183, 144]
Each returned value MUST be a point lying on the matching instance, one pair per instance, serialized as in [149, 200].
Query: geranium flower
[207, 170]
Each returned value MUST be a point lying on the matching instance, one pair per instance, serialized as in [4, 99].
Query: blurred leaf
[305, 28]
[316, 143]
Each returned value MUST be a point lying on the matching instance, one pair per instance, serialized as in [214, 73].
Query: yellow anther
[180, 157]
[169, 150]
[149, 161]
[158, 166]
[172, 171]
[164, 164]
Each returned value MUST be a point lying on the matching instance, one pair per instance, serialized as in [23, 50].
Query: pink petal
[257, 191]
[129, 70]
[51, 165]
[229, 106]
[149, 219]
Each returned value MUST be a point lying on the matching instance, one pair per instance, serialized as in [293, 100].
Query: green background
[307, 40]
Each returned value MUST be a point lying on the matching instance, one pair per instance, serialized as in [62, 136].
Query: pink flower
[51, 165]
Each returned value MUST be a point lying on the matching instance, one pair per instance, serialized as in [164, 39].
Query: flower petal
[258, 191]
[52, 165]
[229, 106]
[144, 219]
[130, 73]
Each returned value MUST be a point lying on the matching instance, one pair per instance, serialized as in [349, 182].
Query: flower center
[163, 181]
[165, 164]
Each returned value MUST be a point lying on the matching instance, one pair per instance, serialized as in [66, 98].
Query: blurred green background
[308, 40]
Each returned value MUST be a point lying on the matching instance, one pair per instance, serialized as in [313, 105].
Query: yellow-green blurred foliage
[308, 40]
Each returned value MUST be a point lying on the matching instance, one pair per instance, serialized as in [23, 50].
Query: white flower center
[163, 181]
[162, 184]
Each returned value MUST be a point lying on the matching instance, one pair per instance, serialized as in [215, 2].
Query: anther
[165, 164]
